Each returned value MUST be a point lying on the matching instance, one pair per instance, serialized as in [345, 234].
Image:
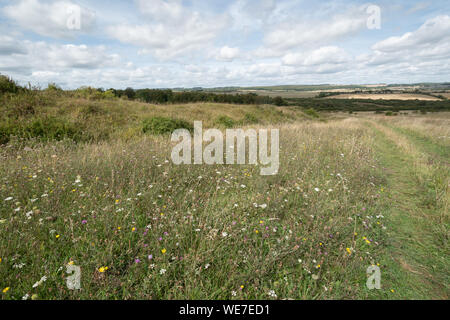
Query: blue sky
[188, 43]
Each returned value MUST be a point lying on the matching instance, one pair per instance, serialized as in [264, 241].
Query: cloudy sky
[209, 43]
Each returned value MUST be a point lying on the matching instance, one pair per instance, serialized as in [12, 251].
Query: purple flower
[150, 257]
[84, 222]
[137, 260]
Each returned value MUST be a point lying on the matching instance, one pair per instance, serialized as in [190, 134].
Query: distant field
[396, 96]
[283, 93]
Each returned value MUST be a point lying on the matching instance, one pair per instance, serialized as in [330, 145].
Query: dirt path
[418, 212]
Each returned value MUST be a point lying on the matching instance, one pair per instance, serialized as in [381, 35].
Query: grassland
[99, 193]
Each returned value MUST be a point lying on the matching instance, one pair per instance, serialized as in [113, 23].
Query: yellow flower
[70, 262]
[34, 297]
[133, 229]
[117, 200]
[349, 250]
[6, 290]
[102, 269]
[318, 266]
[320, 243]
[392, 290]
[242, 287]
[118, 228]
[57, 236]
[163, 251]
[261, 222]
[0, 260]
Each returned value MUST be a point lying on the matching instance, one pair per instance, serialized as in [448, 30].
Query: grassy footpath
[418, 251]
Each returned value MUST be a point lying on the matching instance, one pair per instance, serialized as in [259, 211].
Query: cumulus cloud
[228, 54]
[290, 35]
[9, 46]
[323, 55]
[59, 19]
[173, 31]
[434, 31]
[39, 58]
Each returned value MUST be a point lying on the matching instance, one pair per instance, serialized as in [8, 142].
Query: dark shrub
[161, 125]
[311, 112]
[250, 118]
[8, 85]
[225, 121]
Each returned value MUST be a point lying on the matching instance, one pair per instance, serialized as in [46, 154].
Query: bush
[250, 118]
[52, 129]
[225, 121]
[42, 128]
[8, 85]
[311, 112]
[389, 113]
[279, 101]
[161, 125]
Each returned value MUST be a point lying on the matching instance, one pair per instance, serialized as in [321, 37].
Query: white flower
[43, 279]
[233, 293]
[9, 199]
[263, 206]
[243, 186]
[25, 297]
[224, 234]
[272, 294]
[317, 189]
[162, 271]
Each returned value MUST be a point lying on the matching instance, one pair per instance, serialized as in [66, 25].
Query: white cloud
[313, 33]
[43, 58]
[52, 19]
[432, 32]
[323, 55]
[173, 31]
[228, 54]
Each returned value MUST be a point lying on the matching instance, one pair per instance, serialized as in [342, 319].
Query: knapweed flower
[137, 260]
[150, 257]
[84, 222]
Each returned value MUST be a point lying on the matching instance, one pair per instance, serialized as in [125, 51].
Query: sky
[211, 43]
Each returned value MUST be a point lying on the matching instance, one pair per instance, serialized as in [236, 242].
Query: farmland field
[352, 191]
[396, 96]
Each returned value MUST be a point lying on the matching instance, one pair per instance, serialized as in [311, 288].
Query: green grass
[347, 196]
[418, 248]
